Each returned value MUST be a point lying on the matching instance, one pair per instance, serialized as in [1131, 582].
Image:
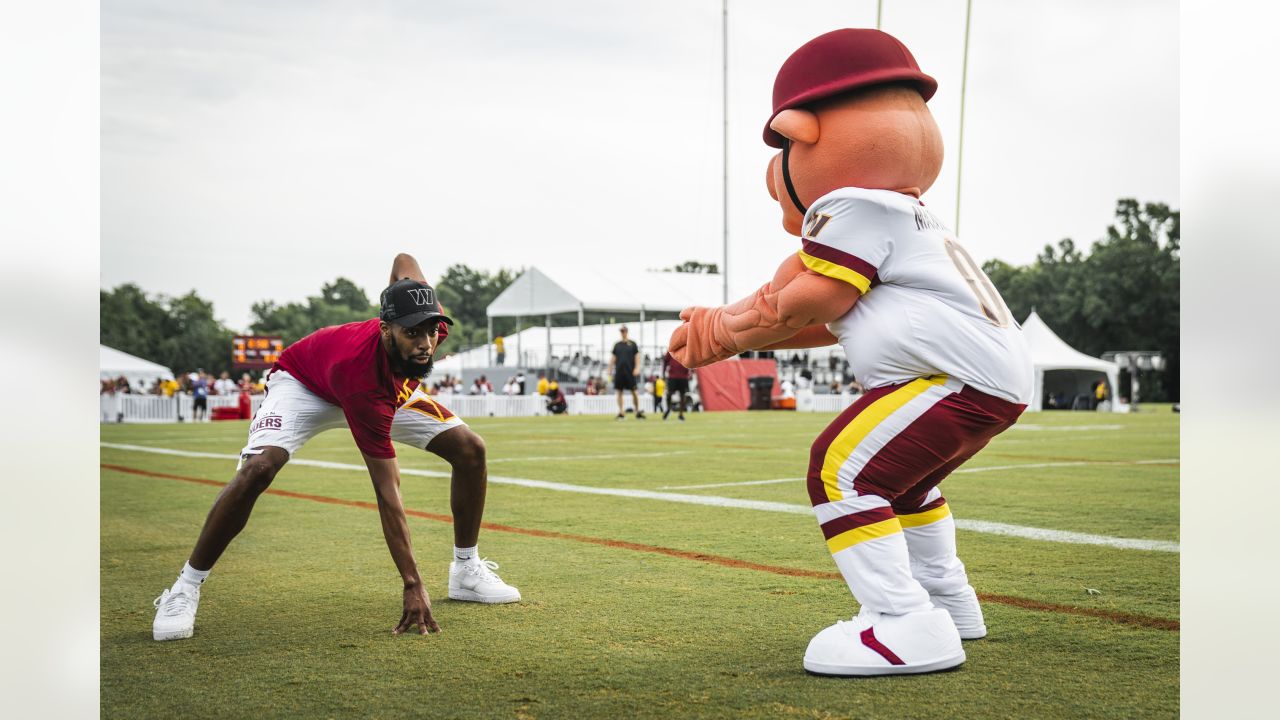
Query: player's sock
[465, 554]
[192, 576]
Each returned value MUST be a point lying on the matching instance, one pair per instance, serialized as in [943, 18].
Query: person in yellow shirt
[1099, 393]
[169, 387]
[659, 393]
[542, 383]
[500, 349]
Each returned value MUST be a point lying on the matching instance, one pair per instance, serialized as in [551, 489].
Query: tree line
[182, 333]
[1121, 295]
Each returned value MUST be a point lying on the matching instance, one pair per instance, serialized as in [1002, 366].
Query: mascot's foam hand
[797, 298]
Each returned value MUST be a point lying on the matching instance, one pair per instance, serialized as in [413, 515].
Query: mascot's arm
[811, 337]
[797, 298]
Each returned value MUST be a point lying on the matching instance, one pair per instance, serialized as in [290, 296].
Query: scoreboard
[255, 352]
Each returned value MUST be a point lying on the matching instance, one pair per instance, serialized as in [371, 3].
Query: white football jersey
[927, 308]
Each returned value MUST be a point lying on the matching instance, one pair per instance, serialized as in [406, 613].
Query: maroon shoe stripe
[869, 639]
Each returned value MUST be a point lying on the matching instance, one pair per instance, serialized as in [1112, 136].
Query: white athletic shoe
[875, 644]
[176, 612]
[965, 611]
[475, 581]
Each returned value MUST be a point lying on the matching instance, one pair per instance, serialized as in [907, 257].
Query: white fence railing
[159, 409]
[809, 402]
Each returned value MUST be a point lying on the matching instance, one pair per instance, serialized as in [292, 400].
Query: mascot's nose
[769, 174]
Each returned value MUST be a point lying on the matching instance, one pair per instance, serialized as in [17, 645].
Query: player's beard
[404, 367]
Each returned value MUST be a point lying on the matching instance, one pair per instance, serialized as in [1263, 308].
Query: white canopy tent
[113, 363]
[595, 341]
[539, 294]
[1061, 368]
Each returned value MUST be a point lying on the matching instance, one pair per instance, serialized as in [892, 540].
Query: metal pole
[581, 347]
[964, 81]
[724, 188]
[519, 352]
[548, 360]
[490, 343]
[879, 12]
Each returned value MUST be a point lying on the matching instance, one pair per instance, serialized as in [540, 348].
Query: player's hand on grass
[417, 611]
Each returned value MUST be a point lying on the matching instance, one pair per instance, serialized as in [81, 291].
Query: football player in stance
[945, 366]
[366, 376]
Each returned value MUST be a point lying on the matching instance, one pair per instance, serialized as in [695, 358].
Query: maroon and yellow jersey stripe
[826, 260]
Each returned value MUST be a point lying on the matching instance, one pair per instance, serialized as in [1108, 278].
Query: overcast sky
[257, 150]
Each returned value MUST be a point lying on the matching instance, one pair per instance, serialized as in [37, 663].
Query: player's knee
[470, 454]
[257, 473]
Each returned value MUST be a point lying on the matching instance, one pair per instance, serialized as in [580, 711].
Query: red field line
[1024, 603]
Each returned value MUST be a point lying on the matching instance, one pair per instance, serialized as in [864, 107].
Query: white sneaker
[176, 612]
[475, 581]
[875, 644]
[965, 611]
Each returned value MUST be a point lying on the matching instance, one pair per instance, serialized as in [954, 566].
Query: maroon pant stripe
[845, 523]
[818, 452]
[930, 448]
[899, 510]
[869, 639]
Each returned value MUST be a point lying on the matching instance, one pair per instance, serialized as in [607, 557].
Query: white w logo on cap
[422, 296]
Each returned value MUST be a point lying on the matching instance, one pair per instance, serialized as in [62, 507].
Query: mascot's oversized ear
[799, 126]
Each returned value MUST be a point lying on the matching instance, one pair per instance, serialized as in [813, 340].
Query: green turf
[295, 620]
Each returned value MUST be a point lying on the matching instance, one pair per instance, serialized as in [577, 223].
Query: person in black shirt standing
[625, 370]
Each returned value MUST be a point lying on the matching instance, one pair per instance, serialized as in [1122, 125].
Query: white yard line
[730, 484]
[1078, 463]
[982, 526]
[589, 457]
[1168, 461]
[1032, 427]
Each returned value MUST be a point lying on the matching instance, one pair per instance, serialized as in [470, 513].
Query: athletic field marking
[1031, 533]
[1027, 604]
[590, 457]
[1169, 461]
[1031, 427]
[730, 484]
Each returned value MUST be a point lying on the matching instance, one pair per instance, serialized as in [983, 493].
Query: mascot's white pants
[873, 477]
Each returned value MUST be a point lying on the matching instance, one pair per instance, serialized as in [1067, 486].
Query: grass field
[634, 607]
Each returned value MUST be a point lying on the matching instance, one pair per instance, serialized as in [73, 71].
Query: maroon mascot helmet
[839, 61]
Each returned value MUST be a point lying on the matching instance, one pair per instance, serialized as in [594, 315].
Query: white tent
[593, 341]
[113, 363]
[1062, 369]
[537, 295]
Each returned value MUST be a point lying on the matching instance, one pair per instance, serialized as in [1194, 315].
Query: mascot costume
[945, 366]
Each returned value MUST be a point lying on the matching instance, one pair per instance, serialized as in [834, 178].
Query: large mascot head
[849, 111]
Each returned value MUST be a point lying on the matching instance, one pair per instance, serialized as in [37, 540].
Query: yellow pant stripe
[832, 270]
[849, 538]
[927, 517]
[866, 421]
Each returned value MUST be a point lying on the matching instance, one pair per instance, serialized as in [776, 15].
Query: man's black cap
[410, 303]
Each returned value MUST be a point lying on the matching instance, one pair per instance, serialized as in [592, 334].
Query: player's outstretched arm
[395, 528]
[404, 266]
[796, 298]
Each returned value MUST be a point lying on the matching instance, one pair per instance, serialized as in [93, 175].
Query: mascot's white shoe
[875, 644]
[965, 611]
